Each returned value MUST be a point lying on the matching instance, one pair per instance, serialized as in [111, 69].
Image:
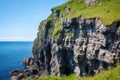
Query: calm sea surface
[11, 56]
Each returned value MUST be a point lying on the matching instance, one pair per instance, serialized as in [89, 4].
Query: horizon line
[16, 41]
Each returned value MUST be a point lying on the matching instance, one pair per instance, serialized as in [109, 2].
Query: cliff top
[107, 10]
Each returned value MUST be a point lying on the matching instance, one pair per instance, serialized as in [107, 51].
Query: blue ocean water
[11, 56]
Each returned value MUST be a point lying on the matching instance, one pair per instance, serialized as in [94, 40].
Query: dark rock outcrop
[56, 13]
[16, 72]
[19, 74]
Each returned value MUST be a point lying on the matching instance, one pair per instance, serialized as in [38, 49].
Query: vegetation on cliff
[106, 10]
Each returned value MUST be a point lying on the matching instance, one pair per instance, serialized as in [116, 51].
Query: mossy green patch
[36, 41]
[57, 27]
[70, 34]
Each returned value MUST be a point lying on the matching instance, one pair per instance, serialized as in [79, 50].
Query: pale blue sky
[19, 19]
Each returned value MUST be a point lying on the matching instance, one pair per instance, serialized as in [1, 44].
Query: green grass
[113, 74]
[107, 10]
[70, 34]
[57, 28]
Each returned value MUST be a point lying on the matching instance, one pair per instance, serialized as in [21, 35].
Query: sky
[19, 19]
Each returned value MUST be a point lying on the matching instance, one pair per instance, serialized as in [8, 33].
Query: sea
[11, 56]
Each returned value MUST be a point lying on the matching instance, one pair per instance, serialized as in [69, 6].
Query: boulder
[56, 13]
[77, 71]
[16, 72]
[68, 9]
[14, 78]
[18, 77]
[90, 2]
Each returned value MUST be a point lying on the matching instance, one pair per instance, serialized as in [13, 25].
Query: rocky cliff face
[83, 46]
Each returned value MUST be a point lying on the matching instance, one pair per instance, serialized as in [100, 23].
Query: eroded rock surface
[91, 47]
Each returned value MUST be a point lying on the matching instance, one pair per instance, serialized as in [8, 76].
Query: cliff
[71, 42]
[82, 44]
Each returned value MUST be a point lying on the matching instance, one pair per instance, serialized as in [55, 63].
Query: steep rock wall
[83, 46]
